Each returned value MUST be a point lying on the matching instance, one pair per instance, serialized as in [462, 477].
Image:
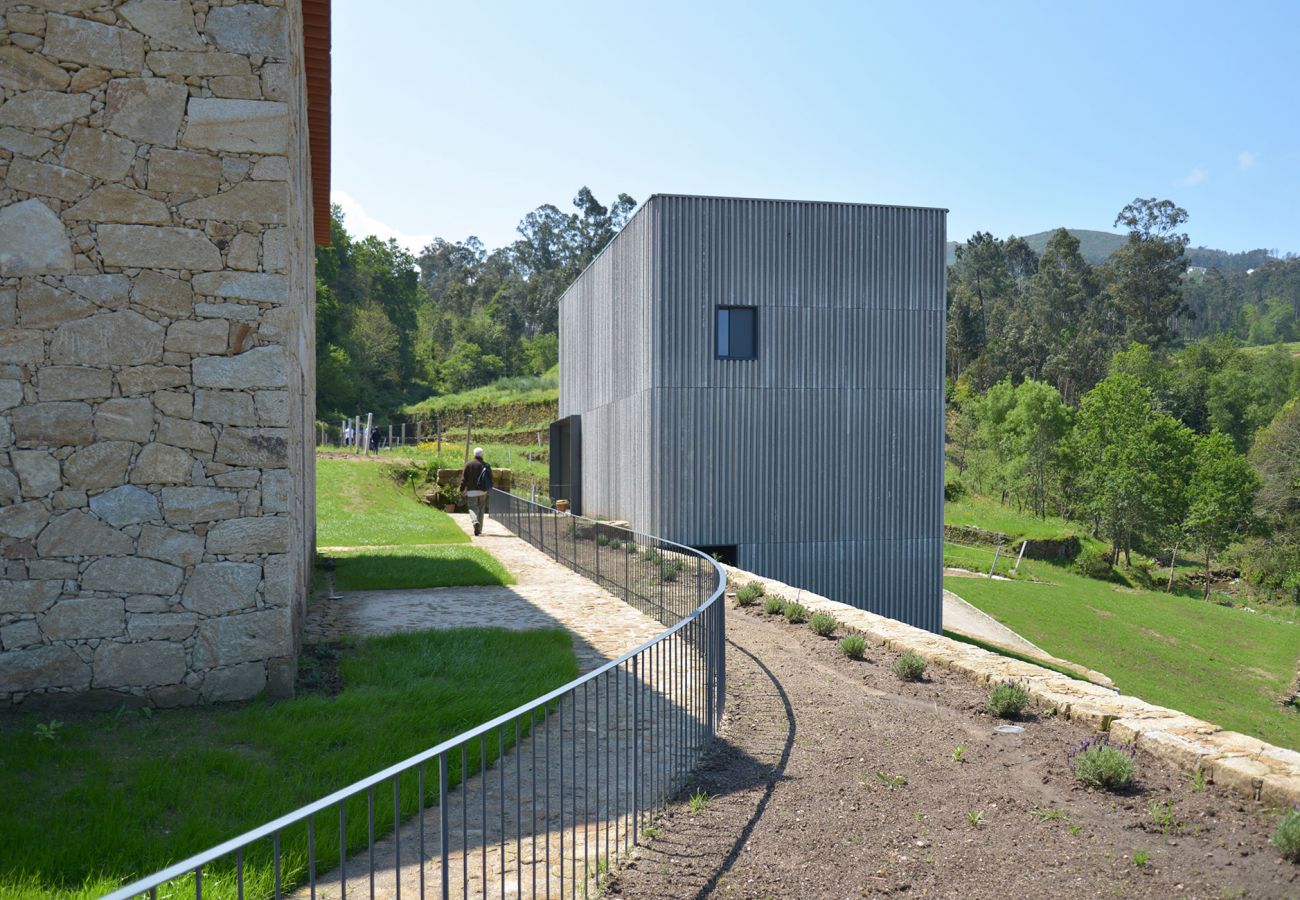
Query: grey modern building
[764, 378]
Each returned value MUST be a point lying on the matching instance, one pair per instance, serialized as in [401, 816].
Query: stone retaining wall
[1250, 766]
[156, 348]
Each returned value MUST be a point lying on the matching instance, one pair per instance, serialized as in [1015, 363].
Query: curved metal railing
[538, 801]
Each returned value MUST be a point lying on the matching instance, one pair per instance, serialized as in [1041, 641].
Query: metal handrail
[712, 647]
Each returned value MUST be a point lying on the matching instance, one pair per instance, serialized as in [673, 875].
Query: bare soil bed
[834, 779]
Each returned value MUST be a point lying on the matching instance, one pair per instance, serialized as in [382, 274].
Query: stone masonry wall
[155, 350]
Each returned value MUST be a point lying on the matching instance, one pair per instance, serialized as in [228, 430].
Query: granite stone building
[161, 180]
[764, 379]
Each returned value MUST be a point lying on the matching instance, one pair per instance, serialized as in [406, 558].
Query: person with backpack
[475, 482]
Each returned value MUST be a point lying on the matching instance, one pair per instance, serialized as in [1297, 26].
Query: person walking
[475, 482]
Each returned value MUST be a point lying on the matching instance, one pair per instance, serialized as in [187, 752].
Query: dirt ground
[834, 779]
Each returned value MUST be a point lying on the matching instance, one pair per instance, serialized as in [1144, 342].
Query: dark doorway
[723, 553]
[566, 462]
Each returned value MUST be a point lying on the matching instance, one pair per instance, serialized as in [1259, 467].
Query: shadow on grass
[422, 567]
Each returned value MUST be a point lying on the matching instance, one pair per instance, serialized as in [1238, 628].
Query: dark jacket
[469, 478]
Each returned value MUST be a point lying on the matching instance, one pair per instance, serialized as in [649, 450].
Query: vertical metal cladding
[822, 459]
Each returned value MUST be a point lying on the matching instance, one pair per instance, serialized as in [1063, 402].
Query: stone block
[23, 71]
[44, 306]
[275, 255]
[277, 582]
[146, 379]
[70, 500]
[243, 252]
[101, 465]
[170, 545]
[239, 682]
[178, 626]
[94, 44]
[180, 171]
[114, 203]
[53, 424]
[235, 311]
[78, 533]
[168, 23]
[125, 505]
[99, 154]
[238, 87]
[276, 79]
[174, 403]
[123, 338]
[185, 433]
[198, 336]
[88, 79]
[246, 637]
[162, 464]
[261, 367]
[216, 589]
[17, 635]
[253, 535]
[138, 665]
[23, 520]
[163, 293]
[265, 448]
[121, 419]
[152, 246]
[201, 65]
[24, 144]
[43, 668]
[263, 203]
[47, 180]
[271, 168]
[59, 569]
[234, 169]
[110, 291]
[73, 383]
[32, 239]
[10, 492]
[77, 619]
[236, 126]
[49, 110]
[8, 307]
[243, 337]
[148, 110]
[11, 393]
[272, 407]
[132, 575]
[276, 485]
[254, 286]
[250, 29]
[169, 696]
[21, 346]
[188, 505]
[37, 470]
[25, 597]
[224, 407]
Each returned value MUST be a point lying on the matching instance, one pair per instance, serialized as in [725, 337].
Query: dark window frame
[717, 331]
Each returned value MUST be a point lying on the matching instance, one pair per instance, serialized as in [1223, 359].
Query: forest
[1150, 394]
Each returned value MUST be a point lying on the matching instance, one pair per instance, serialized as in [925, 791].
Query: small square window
[736, 330]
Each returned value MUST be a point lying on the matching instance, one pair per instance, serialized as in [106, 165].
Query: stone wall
[156, 347]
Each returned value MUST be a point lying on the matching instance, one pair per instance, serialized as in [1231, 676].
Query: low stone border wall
[1250, 766]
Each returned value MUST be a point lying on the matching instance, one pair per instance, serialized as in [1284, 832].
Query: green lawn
[388, 568]
[116, 796]
[361, 504]
[989, 514]
[1228, 666]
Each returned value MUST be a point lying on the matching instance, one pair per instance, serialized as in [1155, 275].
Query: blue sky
[456, 119]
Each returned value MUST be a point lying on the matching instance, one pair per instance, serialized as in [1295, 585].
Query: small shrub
[1286, 837]
[953, 489]
[854, 646]
[631, 548]
[749, 594]
[909, 667]
[1197, 781]
[602, 540]
[1101, 763]
[698, 801]
[959, 753]
[823, 625]
[651, 555]
[669, 569]
[615, 544]
[1164, 816]
[1094, 563]
[1007, 700]
[774, 605]
[795, 613]
[1140, 857]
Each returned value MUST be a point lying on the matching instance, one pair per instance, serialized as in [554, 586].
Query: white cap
[478, 452]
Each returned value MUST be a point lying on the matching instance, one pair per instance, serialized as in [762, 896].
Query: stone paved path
[543, 801]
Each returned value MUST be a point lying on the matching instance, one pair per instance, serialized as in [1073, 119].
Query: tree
[1145, 275]
[1272, 561]
[1036, 426]
[1221, 494]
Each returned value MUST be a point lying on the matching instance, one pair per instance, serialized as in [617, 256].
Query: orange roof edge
[316, 62]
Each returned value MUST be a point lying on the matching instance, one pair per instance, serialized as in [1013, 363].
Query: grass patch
[361, 504]
[1225, 665]
[393, 568]
[989, 514]
[1011, 654]
[115, 797]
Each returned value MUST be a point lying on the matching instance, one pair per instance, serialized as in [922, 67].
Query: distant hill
[1096, 246]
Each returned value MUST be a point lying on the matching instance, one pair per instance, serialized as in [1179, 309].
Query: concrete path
[563, 795]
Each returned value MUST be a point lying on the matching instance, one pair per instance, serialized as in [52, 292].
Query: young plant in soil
[749, 594]
[774, 605]
[1286, 837]
[1196, 781]
[909, 667]
[823, 625]
[698, 801]
[1163, 815]
[975, 818]
[1007, 700]
[1101, 763]
[854, 646]
[959, 753]
[1140, 858]
[795, 613]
